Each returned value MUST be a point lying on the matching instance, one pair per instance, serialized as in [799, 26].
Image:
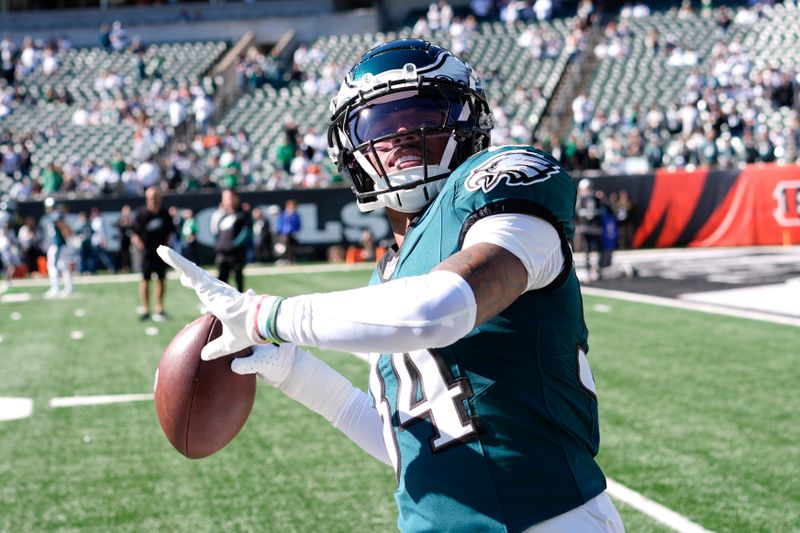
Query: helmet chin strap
[413, 199]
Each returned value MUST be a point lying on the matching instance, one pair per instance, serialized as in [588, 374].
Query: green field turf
[698, 412]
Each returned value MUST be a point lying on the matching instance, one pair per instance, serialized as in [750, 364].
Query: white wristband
[428, 311]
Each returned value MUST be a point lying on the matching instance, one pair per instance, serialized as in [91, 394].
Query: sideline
[171, 274]
[80, 401]
[15, 408]
[656, 511]
[692, 306]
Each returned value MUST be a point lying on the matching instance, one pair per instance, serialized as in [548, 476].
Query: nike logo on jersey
[515, 167]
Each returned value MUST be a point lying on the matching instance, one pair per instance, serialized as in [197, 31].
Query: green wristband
[272, 320]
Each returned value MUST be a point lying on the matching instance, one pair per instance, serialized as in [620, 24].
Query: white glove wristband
[262, 319]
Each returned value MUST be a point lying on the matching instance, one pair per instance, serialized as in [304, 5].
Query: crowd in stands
[723, 117]
[150, 104]
[732, 109]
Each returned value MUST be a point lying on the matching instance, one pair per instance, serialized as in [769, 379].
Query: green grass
[698, 412]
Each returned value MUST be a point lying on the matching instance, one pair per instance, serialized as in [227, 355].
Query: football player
[59, 233]
[480, 394]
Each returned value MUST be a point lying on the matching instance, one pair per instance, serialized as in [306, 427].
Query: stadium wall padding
[329, 216]
[758, 205]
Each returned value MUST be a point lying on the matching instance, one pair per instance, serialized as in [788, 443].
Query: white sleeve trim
[414, 313]
[533, 240]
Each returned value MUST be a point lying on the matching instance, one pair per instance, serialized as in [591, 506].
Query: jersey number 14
[425, 389]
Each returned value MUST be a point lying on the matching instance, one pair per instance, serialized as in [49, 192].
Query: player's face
[406, 151]
[399, 152]
[153, 200]
[230, 201]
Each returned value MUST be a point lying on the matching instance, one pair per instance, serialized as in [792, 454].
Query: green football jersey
[499, 430]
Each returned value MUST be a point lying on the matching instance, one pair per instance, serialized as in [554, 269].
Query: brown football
[201, 405]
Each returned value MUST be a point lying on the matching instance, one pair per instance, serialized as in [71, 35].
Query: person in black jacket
[234, 231]
[152, 227]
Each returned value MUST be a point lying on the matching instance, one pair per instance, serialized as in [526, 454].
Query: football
[201, 405]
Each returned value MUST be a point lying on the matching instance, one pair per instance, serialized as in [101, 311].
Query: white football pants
[598, 515]
[58, 263]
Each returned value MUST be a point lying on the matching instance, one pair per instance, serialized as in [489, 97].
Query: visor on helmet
[379, 119]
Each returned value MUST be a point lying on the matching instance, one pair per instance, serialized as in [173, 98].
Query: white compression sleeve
[533, 240]
[325, 391]
[428, 311]
[362, 424]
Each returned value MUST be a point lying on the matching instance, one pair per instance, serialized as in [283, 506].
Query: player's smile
[404, 157]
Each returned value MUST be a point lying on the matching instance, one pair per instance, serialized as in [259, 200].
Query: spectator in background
[203, 109]
[189, 235]
[543, 9]
[125, 229]
[86, 263]
[765, 148]
[582, 111]
[421, 30]
[298, 168]
[49, 63]
[285, 153]
[287, 228]
[177, 109]
[100, 241]
[445, 15]
[588, 226]
[367, 243]
[148, 174]
[152, 227]
[30, 57]
[52, 179]
[482, 8]
[177, 222]
[30, 242]
[10, 258]
[608, 234]
[625, 213]
[233, 229]
[104, 37]
[433, 17]
[262, 237]
[118, 37]
[129, 181]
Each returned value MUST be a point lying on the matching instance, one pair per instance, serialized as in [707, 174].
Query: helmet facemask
[403, 146]
[397, 136]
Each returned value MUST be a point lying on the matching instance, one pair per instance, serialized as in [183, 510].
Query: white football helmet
[407, 114]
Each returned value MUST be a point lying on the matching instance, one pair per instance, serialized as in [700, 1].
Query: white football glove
[271, 362]
[237, 311]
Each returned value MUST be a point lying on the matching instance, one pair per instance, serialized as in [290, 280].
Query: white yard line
[15, 408]
[654, 510]
[79, 401]
[248, 271]
[692, 306]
